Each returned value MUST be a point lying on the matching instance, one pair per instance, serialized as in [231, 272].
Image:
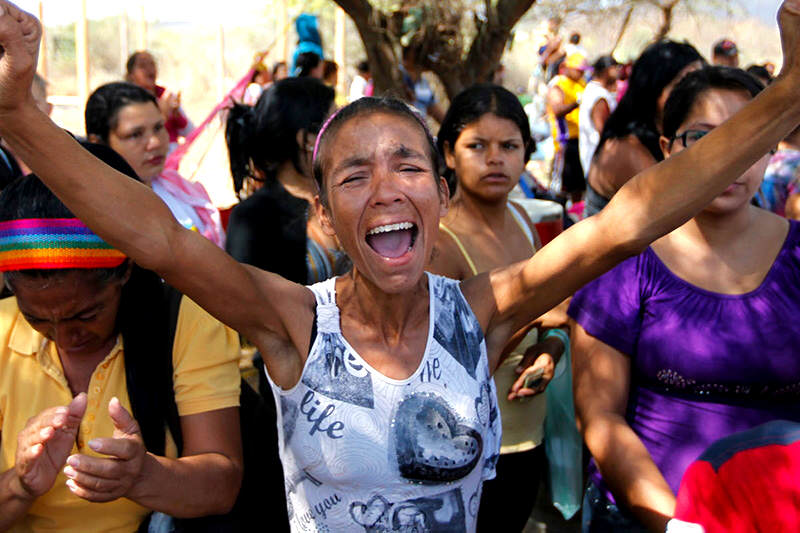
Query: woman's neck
[487, 213]
[721, 229]
[294, 182]
[392, 314]
[78, 371]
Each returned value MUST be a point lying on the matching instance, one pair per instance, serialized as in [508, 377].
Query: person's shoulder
[9, 311]
[447, 259]
[625, 155]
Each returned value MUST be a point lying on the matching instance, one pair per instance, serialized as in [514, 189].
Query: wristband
[560, 333]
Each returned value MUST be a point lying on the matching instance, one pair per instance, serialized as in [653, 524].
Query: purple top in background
[703, 364]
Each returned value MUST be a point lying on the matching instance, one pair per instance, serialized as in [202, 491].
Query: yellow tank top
[566, 128]
[522, 419]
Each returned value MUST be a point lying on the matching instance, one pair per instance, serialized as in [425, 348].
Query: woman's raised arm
[130, 216]
[650, 205]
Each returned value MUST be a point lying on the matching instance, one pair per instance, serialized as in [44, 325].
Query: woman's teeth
[390, 227]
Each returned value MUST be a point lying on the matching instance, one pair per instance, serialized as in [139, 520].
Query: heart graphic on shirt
[368, 514]
[432, 446]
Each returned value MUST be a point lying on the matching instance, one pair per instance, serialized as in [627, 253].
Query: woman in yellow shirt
[85, 343]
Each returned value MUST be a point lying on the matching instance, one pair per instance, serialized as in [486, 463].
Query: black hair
[469, 106]
[690, 88]
[760, 72]
[130, 64]
[275, 68]
[362, 106]
[306, 62]
[265, 135]
[603, 63]
[637, 112]
[142, 320]
[363, 67]
[104, 104]
[331, 68]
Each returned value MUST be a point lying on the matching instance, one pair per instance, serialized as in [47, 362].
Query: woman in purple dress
[691, 340]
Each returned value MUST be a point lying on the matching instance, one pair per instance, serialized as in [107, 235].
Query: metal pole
[82, 54]
[221, 63]
[282, 48]
[339, 53]
[124, 49]
[43, 50]
[142, 37]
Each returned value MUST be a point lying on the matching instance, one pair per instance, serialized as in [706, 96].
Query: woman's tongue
[390, 244]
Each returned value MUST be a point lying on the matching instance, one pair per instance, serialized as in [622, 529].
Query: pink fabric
[174, 158]
[195, 195]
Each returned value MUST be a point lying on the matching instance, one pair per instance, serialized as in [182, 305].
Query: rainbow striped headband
[53, 243]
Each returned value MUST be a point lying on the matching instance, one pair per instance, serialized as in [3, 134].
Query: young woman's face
[710, 109]
[74, 310]
[140, 137]
[488, 157]
[384, 201]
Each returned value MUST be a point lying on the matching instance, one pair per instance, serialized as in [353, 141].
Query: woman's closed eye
[352, 179]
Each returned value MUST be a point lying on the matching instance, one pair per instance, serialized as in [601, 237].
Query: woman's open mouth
[392, 240]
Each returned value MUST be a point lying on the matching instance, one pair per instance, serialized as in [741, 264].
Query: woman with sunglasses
[689, 341]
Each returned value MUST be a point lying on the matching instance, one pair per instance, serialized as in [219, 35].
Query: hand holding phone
[534, 379]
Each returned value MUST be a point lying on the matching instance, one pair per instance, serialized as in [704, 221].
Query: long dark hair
[105, 103]
[469, 106]
[637, 112]
[142, 320]
[265, 135]
[689, 89]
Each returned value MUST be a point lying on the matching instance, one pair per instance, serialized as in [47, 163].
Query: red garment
[176, 122]
[748, 482]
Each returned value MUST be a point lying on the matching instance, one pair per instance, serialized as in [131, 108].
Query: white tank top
[364, 452]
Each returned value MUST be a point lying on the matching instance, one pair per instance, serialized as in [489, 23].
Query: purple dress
[703, 364]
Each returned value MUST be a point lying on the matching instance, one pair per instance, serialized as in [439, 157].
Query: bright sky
[57, 12]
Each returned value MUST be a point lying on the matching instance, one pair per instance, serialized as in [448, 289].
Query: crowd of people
[406, 317]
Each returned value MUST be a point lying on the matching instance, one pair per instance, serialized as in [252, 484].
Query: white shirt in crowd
[588, 136]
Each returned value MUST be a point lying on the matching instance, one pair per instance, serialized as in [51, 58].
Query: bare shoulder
[629, 154]
[537, 241]
[447, 258]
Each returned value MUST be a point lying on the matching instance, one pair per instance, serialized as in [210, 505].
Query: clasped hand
[44, 447]
[539, 359]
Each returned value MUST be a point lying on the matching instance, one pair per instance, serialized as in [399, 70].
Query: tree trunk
[373, 26]
[381, 32]
[666, 24]
[625, 21]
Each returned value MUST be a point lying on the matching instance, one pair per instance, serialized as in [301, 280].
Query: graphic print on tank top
[441, 513]
[364, 452]
[432, 444]
[456, 330]
[339, 374]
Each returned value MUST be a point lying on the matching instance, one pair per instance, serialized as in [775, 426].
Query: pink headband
[319, 135]
[327, 123]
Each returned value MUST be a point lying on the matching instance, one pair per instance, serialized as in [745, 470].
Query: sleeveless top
[523, 418]
[364, 452]
[518, 218]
